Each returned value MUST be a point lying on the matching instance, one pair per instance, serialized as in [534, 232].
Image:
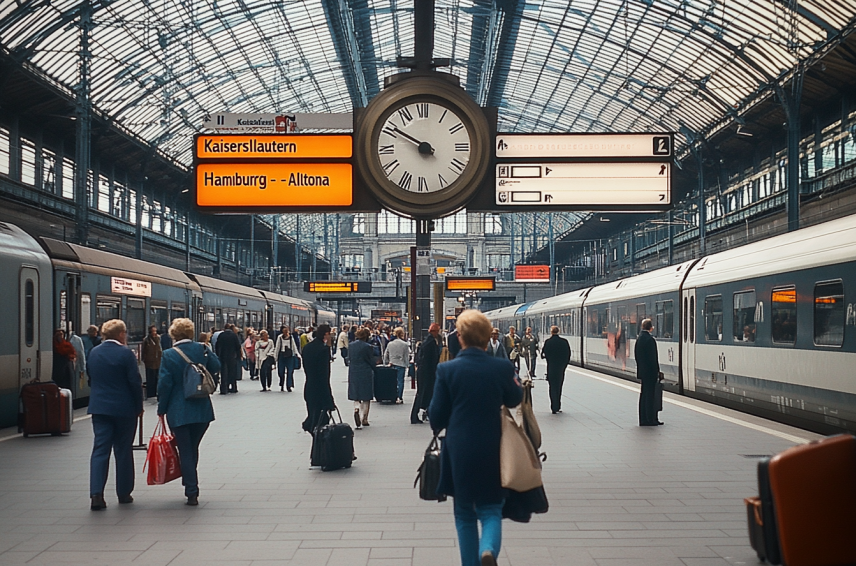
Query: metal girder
[512, 12]
[810, 16]
[482, 53]
[351, 33]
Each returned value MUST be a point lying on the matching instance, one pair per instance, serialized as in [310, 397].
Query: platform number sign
[662, 145]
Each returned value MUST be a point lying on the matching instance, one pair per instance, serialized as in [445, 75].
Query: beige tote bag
[519, 466]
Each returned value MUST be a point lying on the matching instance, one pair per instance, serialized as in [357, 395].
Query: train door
[29, 325]
[688, 339]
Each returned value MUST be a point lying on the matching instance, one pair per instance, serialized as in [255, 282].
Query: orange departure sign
[260, 146]
[470, 283]
[257, 185]
[337, 286]
[534, 273]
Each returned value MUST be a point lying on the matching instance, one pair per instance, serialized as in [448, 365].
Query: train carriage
[770, 327]
[564, 311]
[224, 302]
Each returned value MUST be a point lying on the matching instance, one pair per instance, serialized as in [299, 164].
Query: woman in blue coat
[188, 418]
[468, 395]
[361, 376]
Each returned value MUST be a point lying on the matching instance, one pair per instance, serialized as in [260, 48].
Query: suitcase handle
[756, 508]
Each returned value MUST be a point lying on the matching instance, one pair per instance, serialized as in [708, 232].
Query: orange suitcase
[814, 497]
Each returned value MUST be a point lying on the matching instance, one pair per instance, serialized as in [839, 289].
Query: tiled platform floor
[619, 494]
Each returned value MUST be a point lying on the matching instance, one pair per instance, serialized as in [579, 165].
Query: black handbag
[519, 506]
[428, 473]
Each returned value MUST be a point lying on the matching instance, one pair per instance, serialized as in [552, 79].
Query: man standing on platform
[557, 352]
[426, 373]
[152, 354]
[529, 350]
[228, 350]
[453, 343]
[115, 402]
[648, 372]
[342, 342]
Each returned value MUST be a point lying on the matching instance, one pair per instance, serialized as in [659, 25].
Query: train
[54, 284]
[766, 328]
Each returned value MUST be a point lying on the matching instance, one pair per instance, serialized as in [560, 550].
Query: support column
[84, 130]
[702, 210]
[671, 218]
[423, 279]
[138, 236]
[252, 268]
[187, 244]
[790, 99]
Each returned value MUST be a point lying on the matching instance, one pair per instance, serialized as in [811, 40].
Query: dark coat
[317, 392]
[468, 395]
[557, 352]
[453, 343]
[228, 346]
[647, 364]
[499, 352]
[361, 371]
[429, 357]
[171, 402]
[117, 388]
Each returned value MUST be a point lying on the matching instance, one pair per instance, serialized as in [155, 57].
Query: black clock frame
[410, 89]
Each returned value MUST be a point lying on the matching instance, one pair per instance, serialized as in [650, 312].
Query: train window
[29, 312]
[829, 313]
[135, 319]
[665, 319]
[784, 312]
[593, 325]
[640, 316]
[106, 308]
[713, 318]
[692, 319]
[159, 316]
[743, 323]
[603, 323]
[177, 311]
[85, 311]
[684, 320]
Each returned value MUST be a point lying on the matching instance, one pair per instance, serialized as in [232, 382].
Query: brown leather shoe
[487, 559]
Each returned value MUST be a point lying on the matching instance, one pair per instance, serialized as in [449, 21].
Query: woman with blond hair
[265, 359]
[188, 418]
[468, 395]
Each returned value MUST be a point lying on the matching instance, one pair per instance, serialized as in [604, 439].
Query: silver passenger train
[766, 328]
[51, 284]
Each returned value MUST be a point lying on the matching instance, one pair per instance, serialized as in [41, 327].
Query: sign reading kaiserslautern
[583, 184]
[124, 286]
[285, 123]
[547, 146]
[259, 185]
[272, 146]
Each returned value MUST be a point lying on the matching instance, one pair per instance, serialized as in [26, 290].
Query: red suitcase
[814, 497]
[41, 408]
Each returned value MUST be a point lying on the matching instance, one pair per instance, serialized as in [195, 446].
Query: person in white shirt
[287, 356]
[342, 343]
[265, 359]
[397, 355]
[495, 347]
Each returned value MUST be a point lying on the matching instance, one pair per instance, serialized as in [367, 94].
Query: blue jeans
[401, 371]
[116, 435]
[490, 517]
[285, 367]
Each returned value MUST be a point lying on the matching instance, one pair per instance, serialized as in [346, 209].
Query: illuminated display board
[534, 273]
[257, 185]
[260, 146]
[543, 146]
[470, 283]
[337, 286]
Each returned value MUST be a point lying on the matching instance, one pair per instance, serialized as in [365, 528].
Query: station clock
[423, 146]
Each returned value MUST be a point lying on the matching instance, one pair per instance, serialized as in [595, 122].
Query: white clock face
[423, 147]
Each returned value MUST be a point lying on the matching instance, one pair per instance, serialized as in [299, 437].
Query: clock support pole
[422, 320]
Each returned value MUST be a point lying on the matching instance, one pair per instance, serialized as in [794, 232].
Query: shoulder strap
[183, 355]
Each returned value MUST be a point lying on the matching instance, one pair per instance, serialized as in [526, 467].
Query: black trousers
[424, 394]
[647, 400]
[188, 437]
[152, 382]
[265, 376]
[229, 375]
[345, 359]
[556, 384]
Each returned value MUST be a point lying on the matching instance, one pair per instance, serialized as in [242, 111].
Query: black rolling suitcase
[386, 384]
[333, 445]
[766, 535]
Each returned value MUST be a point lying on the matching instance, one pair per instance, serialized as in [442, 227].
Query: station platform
[619, 494]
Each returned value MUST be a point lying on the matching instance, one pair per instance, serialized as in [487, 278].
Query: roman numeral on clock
[457, 166]
[386, 150]
[422, 109]
[443, 181]
[390, 167]
[423, 185]
[456, 128]
[390, 131]
[462, 146]
[405, 115]
[404, 182]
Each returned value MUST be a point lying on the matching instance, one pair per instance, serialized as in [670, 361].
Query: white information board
[583, 184]
[124, 286]
[276, 123]
[546, 146]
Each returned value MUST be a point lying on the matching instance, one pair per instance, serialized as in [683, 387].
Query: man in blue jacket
[115, 402]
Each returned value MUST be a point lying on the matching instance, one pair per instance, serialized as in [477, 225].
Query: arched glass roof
[158, 66]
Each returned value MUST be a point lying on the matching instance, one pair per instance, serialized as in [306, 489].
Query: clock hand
[424, 147]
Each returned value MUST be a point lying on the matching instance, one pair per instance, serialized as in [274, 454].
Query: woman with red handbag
[188, 418]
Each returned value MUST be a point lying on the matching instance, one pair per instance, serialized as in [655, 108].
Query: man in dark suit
[229, 352]
[495, 349]
[557, 352]
[316, 365]
[115, 402]
[453, 343]
[426, 372]
[648, 372]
